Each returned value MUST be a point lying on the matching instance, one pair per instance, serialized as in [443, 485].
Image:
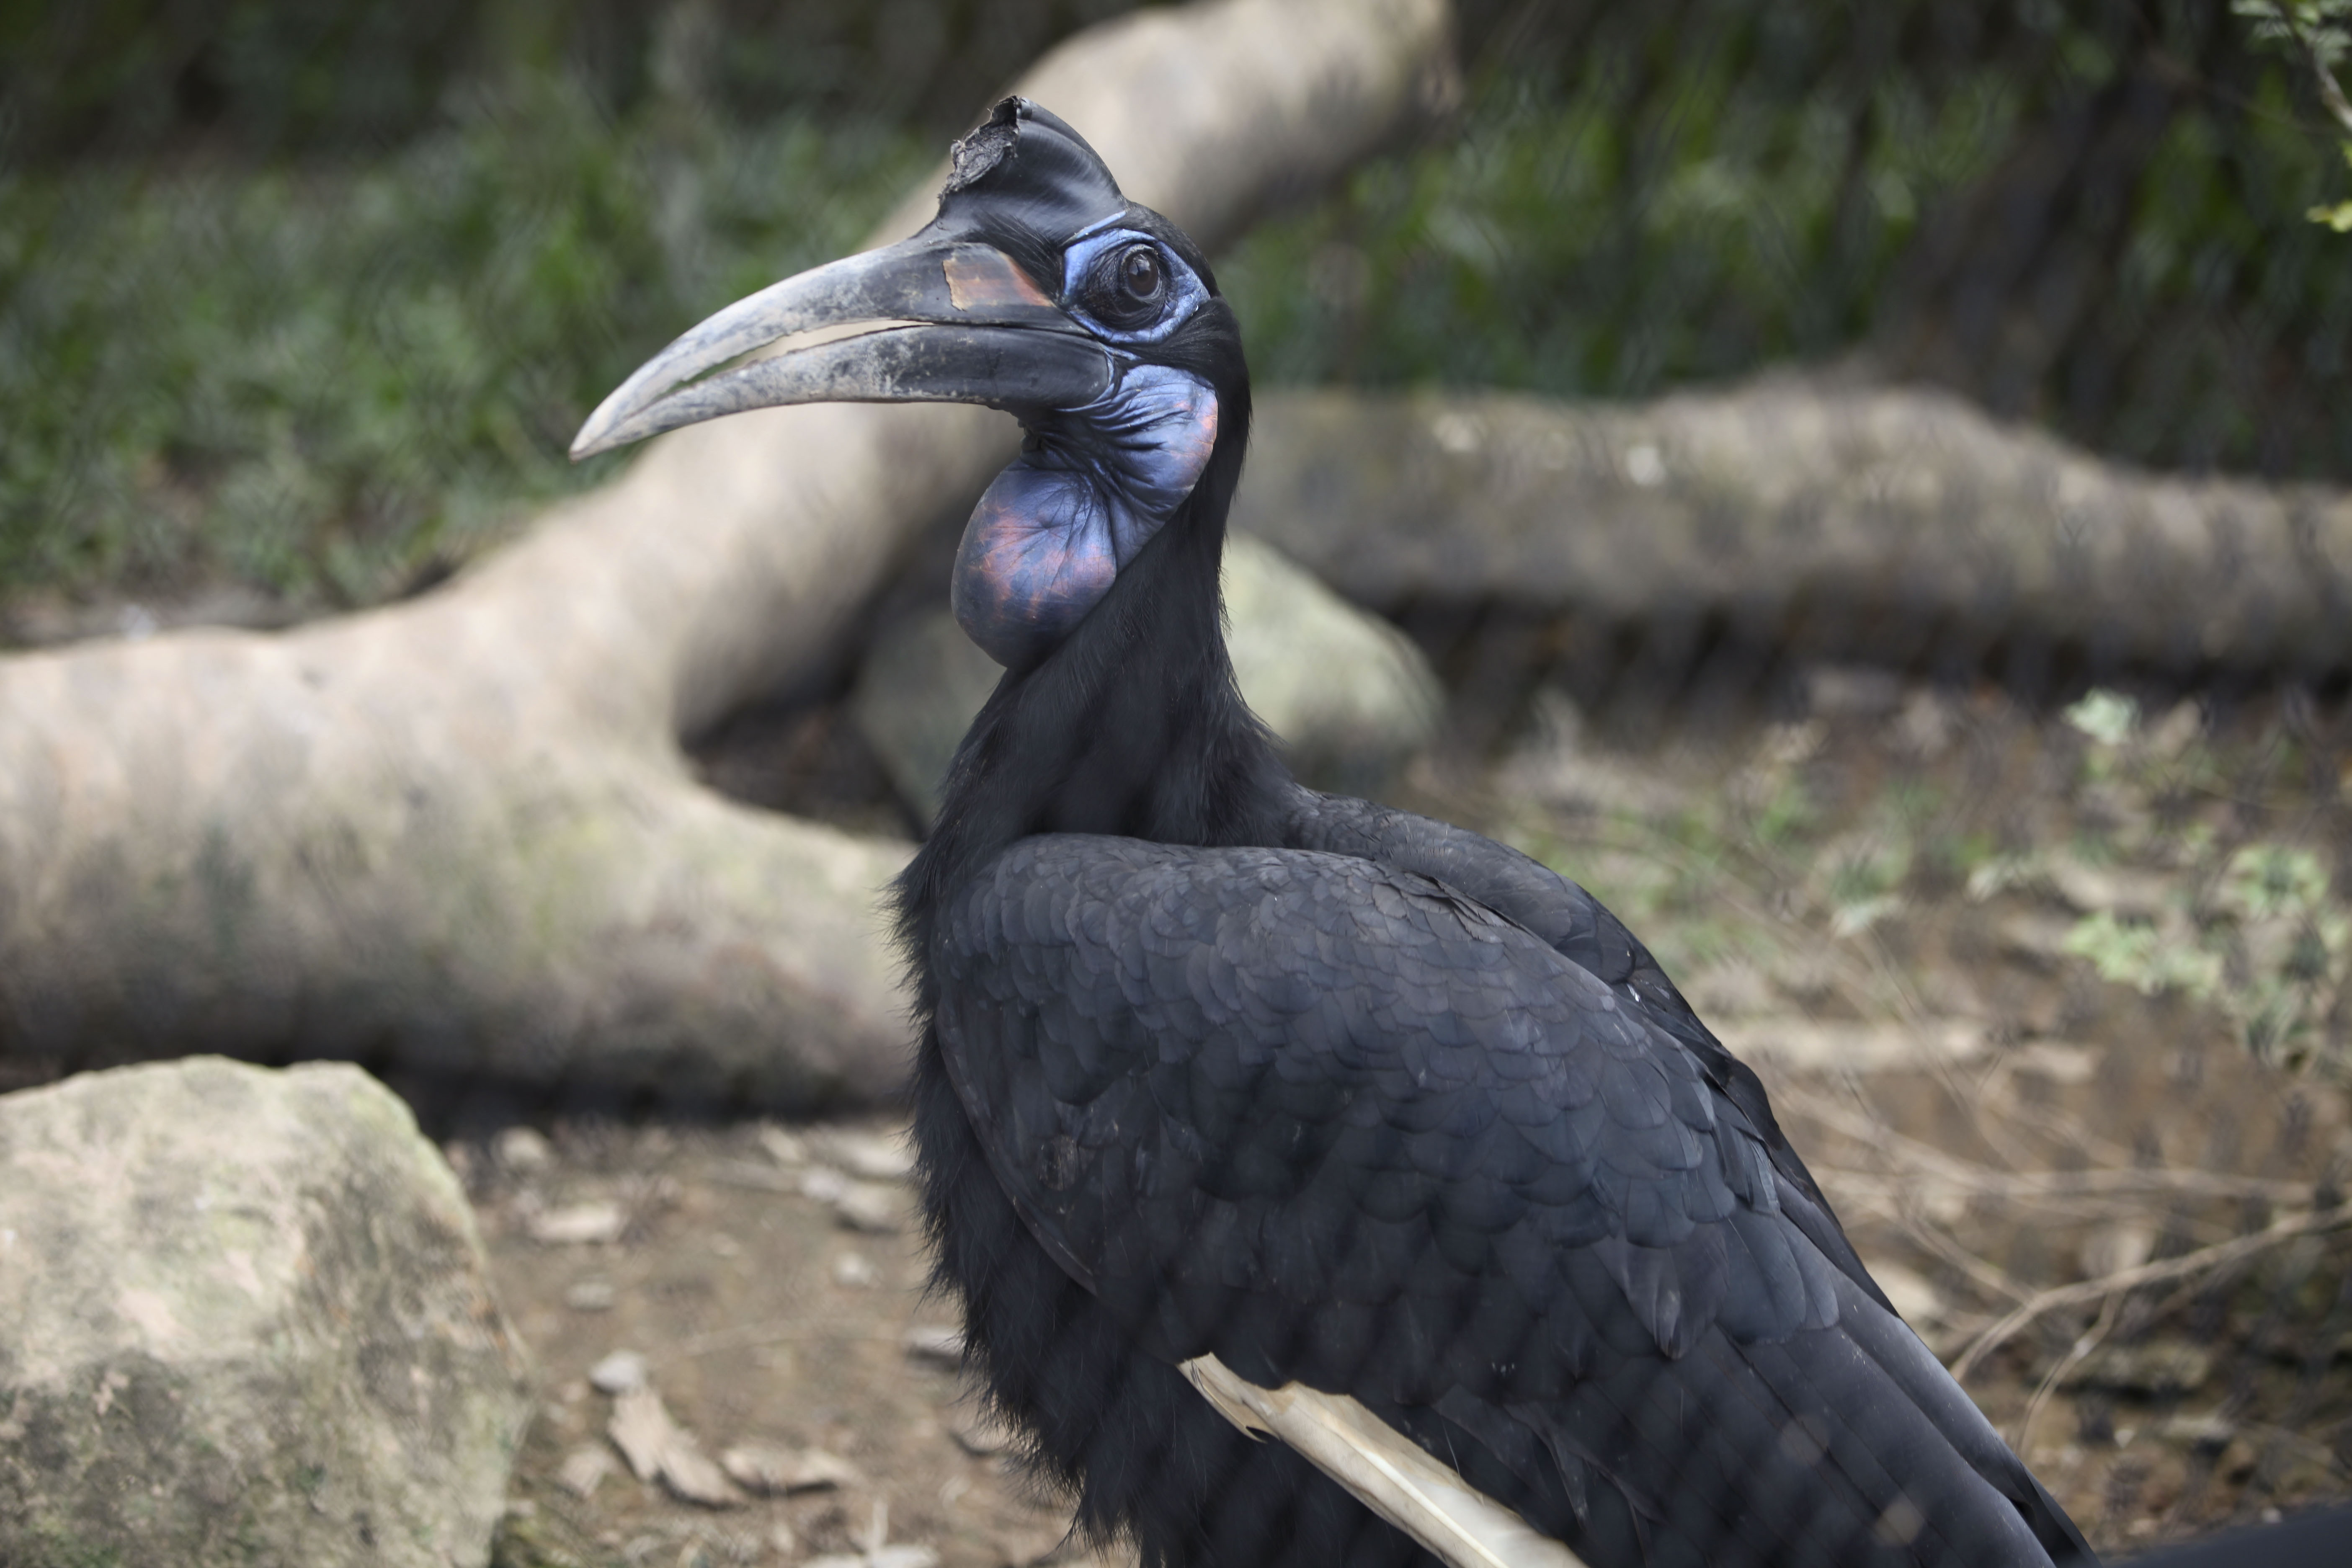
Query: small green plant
[2269, 951]
[2107, 717]
[2147, 957]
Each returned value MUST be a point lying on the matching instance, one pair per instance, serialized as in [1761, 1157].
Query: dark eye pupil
[1138, 273]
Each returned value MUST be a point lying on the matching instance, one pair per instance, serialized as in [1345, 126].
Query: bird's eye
[1129, 288]
[1141, 277]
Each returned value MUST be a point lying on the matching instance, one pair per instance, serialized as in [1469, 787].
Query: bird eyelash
[1186, 293]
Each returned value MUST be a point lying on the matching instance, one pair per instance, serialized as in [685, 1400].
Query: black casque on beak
[985, 329]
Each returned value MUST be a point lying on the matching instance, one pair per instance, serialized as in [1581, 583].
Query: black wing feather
[1338, 1122]
[1580, 928]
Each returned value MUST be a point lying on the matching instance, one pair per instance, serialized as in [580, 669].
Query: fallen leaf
[656, 1446]
[688, 1471]
[639, 1429]
[770, 1470]
[583, 1470]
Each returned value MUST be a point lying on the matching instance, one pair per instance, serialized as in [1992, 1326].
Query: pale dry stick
[1996, 1136]
[2058, 1186]
[1871, 1128]
[1745, 902]
[2111, 1154]
[2083, 1345]
[1989, 1275]
[1866, 984]
[1947, 1076]
[1979, 1180]
[2188, 1266]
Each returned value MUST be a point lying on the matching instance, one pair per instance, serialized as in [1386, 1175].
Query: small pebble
[590, 1296]
[855, 1205]
[936, 1343]
[852, 1271]
[786, 1148]
[872, 1156]
[580, 1223]
[618, 1373]
[522, 1150]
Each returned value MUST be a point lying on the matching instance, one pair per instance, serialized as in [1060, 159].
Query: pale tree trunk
[1886, 523]
[457, 835]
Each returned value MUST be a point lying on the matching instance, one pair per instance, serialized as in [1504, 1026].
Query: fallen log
[457, 835]
[1886, 523]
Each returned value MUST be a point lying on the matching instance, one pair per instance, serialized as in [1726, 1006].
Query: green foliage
[2029, 203]
[2268, 949]
[2325, 27]
[2252, 927]
[1596, 234]
[2338, 217]
[323, 380]
[2321, 32]
[2138, 954]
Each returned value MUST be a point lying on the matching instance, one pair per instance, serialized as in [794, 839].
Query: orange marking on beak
[989, 280]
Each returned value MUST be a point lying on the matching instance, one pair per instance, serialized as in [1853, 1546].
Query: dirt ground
[2052, 1002]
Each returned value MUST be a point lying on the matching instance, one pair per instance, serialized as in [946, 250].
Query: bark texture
[1879, 522]
[457, 835]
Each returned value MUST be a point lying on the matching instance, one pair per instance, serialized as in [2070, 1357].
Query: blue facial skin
[1091, 253]
[1090, 489]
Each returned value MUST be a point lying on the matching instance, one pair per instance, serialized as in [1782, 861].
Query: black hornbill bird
[1243, 1105]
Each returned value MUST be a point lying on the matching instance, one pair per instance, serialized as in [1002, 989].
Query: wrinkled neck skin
[1090, 489]
[1129, 723]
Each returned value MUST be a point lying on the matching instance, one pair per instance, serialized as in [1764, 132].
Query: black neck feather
[1132, 726]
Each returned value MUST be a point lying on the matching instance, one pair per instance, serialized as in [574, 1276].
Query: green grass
[323, 381]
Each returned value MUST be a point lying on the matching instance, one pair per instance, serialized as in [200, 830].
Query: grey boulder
[1350, 695]
[244, 1317]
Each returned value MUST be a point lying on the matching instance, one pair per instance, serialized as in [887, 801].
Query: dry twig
[2188, 1266]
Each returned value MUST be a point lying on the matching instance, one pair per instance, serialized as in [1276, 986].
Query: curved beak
[982, 332]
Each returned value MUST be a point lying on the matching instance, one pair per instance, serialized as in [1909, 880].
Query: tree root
[457, 836]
